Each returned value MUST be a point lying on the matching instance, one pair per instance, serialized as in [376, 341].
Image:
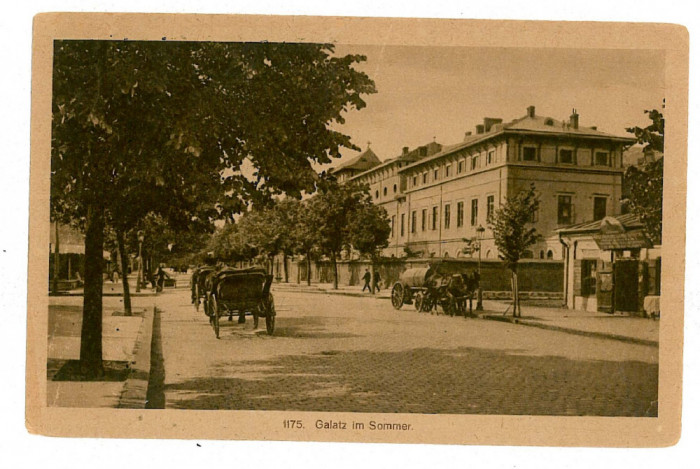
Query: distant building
[357, 165]
[438, 195]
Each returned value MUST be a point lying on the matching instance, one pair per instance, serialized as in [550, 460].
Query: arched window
[447, 254]
[488, 254]
[394, 188]
[385, 191]
[541, 254]
[376, 194]
[550, 254]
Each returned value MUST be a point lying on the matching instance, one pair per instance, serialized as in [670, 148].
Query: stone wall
[535, 275]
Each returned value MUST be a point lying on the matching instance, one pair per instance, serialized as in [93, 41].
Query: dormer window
[602, 158]
[566, 156]
[549, 121]
[529, 154]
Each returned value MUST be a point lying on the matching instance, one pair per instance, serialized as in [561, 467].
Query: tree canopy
[645, 183]
[169, 128]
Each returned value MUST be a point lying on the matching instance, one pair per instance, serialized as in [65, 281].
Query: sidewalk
[126, 342]
[592, 324]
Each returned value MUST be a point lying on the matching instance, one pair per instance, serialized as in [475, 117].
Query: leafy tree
[513, 233]
[330, 212]
[304, 236]
[645, 183]
[368, 230]
[165, 127]
[286, 215]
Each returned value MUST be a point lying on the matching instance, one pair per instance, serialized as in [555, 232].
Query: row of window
[384, 192]
[429, 221]
[565, 209]
[472, 163]
[567, 156]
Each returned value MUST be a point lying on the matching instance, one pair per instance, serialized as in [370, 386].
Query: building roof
[529, 124]
[407, 157]
[628, 221]
[620, 232]
[362, 162]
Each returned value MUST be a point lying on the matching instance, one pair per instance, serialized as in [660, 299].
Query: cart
[199, 286]
[241, 292]
[430, 287]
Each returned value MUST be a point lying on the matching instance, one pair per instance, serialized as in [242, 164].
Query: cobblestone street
[338, 353]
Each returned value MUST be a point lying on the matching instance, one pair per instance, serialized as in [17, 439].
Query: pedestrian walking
[367, 278]
[160, 275]
[375, 283]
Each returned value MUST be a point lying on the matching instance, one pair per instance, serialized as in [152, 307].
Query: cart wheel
[419, 301]
[270, 316]
[214, 314]
[397, 295]
[196, 297]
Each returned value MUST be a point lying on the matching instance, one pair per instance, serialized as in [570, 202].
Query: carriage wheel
[270, 315]
[419, 301]
[397, 296]
[214, 314]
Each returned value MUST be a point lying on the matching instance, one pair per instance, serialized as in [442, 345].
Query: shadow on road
[454, 381]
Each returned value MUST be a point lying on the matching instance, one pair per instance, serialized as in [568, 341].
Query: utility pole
[139, 276]
[479, 236]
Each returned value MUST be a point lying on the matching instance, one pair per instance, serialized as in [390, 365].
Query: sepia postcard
[357, 229]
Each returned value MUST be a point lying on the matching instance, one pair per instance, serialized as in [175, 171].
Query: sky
[426, 93]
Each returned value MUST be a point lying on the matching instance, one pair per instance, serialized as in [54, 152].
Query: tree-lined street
[341, 353]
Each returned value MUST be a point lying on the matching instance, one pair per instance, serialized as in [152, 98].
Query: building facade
[610, 265]
[437, 196]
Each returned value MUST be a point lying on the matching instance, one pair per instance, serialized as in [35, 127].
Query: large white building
[436, 196]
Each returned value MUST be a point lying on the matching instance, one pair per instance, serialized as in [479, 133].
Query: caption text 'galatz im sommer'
[342, 425]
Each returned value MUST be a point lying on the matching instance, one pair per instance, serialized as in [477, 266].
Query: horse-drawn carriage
[200, 276]
[241, 292]
[430, 287]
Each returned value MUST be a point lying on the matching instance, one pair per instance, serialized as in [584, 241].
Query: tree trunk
[124, 258]
[284, 266]
[91, 332]
[515, 293]
[308, 268]
[56, 263]
[335, 271]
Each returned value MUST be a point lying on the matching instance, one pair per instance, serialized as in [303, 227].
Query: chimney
[405, 151]
[490, 122]
[480, 129]
[467, 135]
[531, 111]
[573, 119]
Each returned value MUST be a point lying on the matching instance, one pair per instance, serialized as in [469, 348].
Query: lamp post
[479, 236]
[139, 276]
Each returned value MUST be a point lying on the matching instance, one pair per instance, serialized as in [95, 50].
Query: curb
[133, 394]
[598, 335]
[337, 292]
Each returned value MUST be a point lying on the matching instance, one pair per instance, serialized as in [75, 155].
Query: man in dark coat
[367, 278]
[375, 281]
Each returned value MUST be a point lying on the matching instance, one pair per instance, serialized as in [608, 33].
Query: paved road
[335, 353]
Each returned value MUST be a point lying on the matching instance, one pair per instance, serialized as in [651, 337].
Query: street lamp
[479, 236]
[139, 276]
